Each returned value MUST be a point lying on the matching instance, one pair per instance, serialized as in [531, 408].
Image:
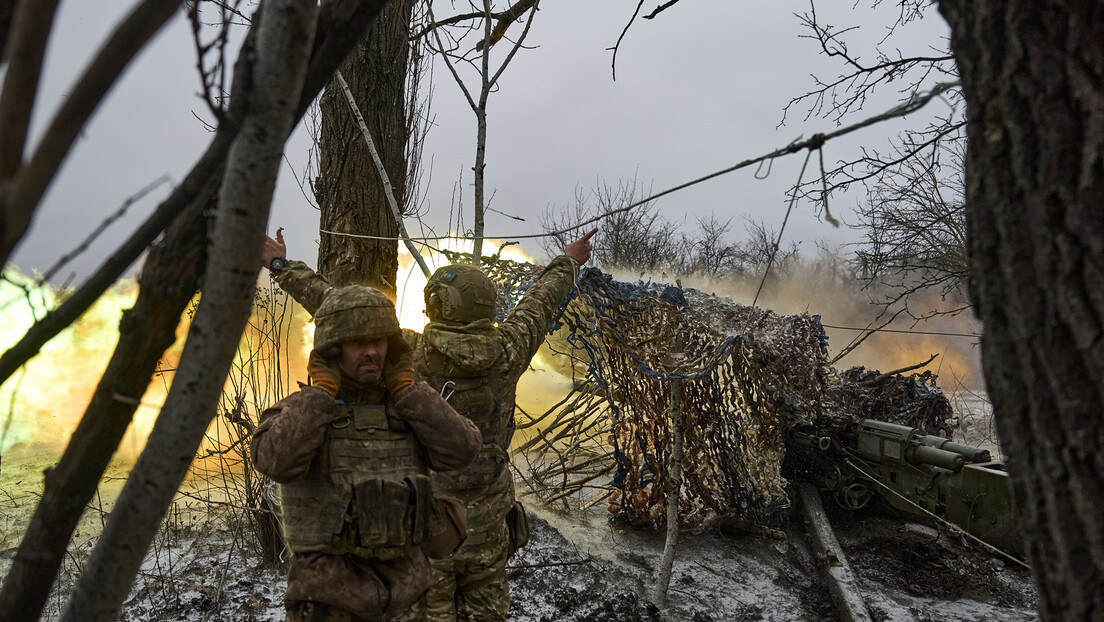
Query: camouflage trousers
[317, 612]
[471, 585]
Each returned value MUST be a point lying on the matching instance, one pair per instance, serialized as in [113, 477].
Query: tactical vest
[367, 492]
[488, 402]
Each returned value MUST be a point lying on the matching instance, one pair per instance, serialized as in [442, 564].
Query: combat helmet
[460, 293]
[354, 312]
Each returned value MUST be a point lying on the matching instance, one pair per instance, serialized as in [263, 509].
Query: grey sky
[698, 89]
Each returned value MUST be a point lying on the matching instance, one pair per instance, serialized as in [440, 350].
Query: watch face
[277, 264]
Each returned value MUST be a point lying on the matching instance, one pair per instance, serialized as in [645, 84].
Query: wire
[909, 332]
[916, 102]
[774, 251]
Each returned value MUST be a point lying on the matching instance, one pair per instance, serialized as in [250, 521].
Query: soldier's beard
[369, 377]
[367, 372]
[369, 380]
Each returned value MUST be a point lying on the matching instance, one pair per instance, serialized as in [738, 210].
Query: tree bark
[1033, 74]
[673, 481]
[7, 9]
[32, 25]
[349, 189]
[479, 171]
[282, 53]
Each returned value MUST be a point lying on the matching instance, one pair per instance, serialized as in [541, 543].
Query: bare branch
[881, 377]
[19, 196]
[849, 92]
[213, 79]
[83, 246]
[857, 341]
[661, 8]
[617, 46]
[513, 50]
[505, 19]
[30, 27]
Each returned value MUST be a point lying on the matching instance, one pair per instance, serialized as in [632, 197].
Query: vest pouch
[423, 508]
[385, 515]
[448, 528]
[517, 524]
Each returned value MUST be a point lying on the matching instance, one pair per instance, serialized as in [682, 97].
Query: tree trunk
[672, 480]
[479, 205]
[1033, 74]
[349, 189]
[282, 53]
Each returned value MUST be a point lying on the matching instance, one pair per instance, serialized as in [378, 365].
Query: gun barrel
[922, 454]
[971, 454]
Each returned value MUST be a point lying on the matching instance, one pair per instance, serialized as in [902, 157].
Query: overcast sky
[699, 88]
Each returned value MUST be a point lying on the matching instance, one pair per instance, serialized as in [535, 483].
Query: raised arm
[306, 286]
[526, 326]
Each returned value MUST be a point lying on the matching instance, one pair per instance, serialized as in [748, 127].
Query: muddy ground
[906, 571]
[578, 566]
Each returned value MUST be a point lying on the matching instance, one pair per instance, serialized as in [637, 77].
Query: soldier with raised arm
[476, 364]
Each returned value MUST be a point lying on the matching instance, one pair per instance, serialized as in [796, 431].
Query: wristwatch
[277, 264]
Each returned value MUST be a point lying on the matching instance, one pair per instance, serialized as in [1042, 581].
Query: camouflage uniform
[477, 356]
[359, 512]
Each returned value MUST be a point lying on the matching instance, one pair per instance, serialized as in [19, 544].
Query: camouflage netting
[914, 400]
[747, 375]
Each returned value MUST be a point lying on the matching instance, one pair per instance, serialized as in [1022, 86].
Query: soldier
[352, 454]
[476, 364]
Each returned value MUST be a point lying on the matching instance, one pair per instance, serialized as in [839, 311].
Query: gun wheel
[854, 497]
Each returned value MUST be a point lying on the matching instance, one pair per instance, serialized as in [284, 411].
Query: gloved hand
[322, 374]
[398, 370]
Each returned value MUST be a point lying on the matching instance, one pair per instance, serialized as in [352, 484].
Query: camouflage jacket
[289, 445]
[292, 432]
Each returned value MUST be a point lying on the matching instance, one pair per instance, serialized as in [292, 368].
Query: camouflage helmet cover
[460, 293]
[354, 312]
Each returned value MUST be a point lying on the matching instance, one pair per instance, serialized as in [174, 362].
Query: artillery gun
[924, 476]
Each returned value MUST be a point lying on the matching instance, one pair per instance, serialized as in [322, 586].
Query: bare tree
[711, 253]
[1031, 77]
[450, 37]
[914, 222]
[639, 240]
[759, 250]
[914, 187]
[282, 52]
[642, 240]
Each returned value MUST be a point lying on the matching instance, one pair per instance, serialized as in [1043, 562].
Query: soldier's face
[363, 359]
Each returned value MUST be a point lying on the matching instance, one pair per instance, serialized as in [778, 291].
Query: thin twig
[107, 222]
[881, 377]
